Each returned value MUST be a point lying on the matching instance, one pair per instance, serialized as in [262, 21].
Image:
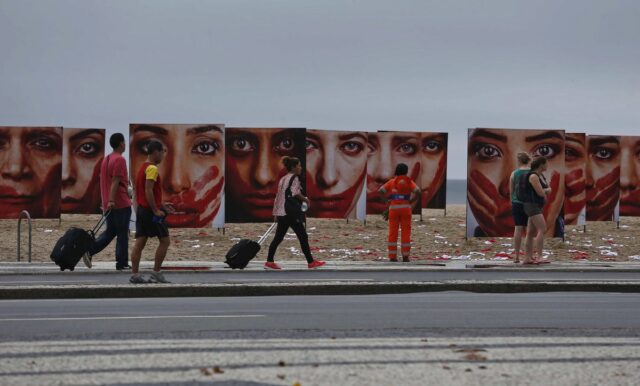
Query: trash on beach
[432, 219]
[634, 257]
[440, 237]
[211, 244]
[195, 246]
[608, 253]
[624, 226]
[476, 253]
[195, 241]
[48, 230]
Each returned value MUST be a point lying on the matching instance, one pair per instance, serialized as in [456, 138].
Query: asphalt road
[291, 316]
[436, 338]
[229, 276]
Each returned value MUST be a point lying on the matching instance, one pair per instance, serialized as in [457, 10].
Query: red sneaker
[316, 264]
[271, 265]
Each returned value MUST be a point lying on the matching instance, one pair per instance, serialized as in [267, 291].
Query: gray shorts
[532, 209]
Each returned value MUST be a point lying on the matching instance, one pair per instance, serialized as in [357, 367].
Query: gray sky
[365, 65]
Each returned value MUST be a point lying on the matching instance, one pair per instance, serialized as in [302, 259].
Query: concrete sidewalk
[197, 278]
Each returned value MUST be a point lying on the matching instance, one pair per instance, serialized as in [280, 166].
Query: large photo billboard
[433, 170]
[82, 154]
[31, 171]
[192, 172]
[575, 199]
[603, 177]
[491, 157]
[336, 169]
[386, 149]
[254, 167]
[630, 176]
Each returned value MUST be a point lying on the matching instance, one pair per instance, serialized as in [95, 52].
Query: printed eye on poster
[491, 158]
[192, 172]
[253, 168]
[31, 164]
[82, 155]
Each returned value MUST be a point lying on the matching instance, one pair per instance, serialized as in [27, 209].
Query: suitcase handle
[101, 222]
[266, 234]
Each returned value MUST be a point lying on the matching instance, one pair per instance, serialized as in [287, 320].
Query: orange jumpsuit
[399, 191]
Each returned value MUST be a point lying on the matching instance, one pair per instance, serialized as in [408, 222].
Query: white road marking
[128, 317]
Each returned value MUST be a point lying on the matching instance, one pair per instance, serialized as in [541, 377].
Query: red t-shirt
[114, 165]
[148, 171]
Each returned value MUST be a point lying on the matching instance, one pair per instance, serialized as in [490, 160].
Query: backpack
[293, 206]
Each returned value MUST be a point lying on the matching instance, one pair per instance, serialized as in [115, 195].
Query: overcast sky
[365, 65]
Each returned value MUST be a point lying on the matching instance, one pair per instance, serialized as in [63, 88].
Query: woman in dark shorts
[520, 218]
[537, 189]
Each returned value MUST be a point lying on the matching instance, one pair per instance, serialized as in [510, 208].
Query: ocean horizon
[456, 191]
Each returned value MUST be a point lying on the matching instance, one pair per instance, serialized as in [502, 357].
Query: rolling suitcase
[244, 250]
[73, 244]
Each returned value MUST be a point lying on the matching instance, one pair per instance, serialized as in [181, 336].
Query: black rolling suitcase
[73, 244]
[244, 250]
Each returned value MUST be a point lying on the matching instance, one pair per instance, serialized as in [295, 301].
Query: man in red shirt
[114, 185]
[150, 214]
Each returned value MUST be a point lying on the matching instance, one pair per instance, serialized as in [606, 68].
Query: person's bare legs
[161, 253]
[541, 228]
[136, 254]
[528, 243]
[517, 241]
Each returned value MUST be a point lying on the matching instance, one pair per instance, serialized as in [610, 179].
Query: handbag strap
[287, 192]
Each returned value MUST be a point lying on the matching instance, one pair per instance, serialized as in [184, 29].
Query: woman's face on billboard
[192, 170]
[575, 155]
[603, 177]
[433, 164]
[82, 154]
[336, 167]
[630, 176]
[492, 158]
[385, 151]
[30, 171]
[254, 167]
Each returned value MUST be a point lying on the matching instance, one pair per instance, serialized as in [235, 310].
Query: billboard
[386, 149]
[491, 157]
[603, 177]
[336, 169]
[575, 199]
[31, 165]
[253, 168]
[82, 154]
[433, 170]
[192, 171]
[630, 176]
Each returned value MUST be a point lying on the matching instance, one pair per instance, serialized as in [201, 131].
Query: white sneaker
[86, 259]
[138, 279]
[157, 277]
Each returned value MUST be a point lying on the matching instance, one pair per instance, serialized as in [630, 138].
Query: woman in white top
[294, 168]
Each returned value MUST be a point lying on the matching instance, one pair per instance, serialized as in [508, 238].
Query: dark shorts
[532, 209]
[520, 218]
[147, 227]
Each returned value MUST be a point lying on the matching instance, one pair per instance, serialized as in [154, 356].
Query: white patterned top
[278, 204]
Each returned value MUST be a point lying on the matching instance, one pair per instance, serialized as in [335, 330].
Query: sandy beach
[436, 237]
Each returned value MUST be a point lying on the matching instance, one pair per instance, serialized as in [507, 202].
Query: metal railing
[28, 216]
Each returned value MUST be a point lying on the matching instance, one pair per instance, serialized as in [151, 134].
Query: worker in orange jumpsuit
[401, 192]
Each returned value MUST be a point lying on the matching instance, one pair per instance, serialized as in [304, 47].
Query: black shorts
[520, 218]
[146, 227]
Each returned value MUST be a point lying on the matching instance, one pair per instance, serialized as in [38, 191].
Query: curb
[298, 289]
